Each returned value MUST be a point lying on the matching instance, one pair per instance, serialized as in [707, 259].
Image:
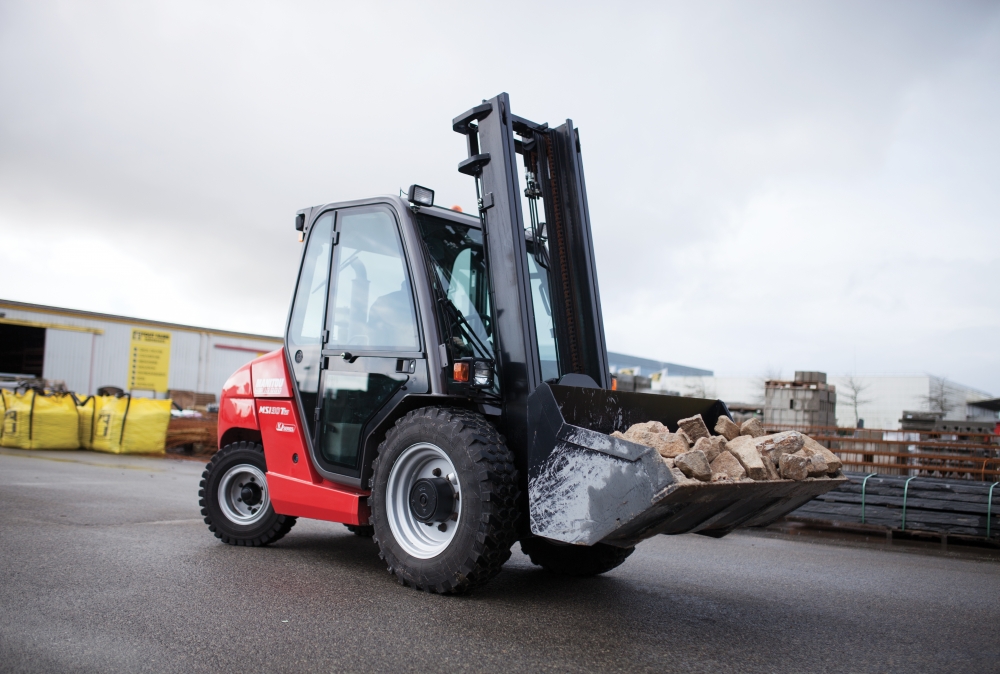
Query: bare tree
[854, 389]
[760, 384]
[937, 398]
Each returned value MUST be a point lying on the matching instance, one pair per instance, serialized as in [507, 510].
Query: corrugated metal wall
[200, 359]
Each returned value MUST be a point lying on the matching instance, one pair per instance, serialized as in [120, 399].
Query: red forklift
[444, 386]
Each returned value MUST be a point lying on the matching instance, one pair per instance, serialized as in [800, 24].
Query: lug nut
[442, 527]
[437, 472]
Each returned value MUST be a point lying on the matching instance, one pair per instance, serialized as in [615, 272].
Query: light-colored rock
[832, 461]
[668, 445]
[669, 462]
[619, 435]
[671, 444]
[694, 427]
[775, 445]
[711, 446]
[794, 466]
[721, 477]
[694, 464]
[684, 436]
[745, 451]
[770, 468]
[727, 428]
[817, 466]
[728, 465]
[752, 427]
[720, 442]
[650, 426]
[680, 477]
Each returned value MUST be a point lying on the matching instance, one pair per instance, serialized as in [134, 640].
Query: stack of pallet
[955, 507]
[198, 435]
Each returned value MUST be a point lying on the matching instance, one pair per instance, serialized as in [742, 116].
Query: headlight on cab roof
[420, 195]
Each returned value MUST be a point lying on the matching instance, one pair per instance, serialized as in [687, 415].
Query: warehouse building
[88, 351]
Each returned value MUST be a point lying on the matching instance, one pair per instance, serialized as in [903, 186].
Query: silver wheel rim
[418, 539]
[230, 494]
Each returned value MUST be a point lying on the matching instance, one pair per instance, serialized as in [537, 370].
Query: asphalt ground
[106, 565]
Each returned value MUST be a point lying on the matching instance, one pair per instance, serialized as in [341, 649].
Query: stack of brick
[806, 401]
[735, 453]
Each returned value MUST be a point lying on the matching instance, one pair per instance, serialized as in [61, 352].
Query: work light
[482, 374]
[420, 195]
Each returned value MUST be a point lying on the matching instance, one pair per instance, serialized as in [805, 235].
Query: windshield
[459, 278]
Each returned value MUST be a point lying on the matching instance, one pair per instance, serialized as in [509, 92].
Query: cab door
[372, 354]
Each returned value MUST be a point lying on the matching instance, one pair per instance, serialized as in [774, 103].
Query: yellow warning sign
[149, 360]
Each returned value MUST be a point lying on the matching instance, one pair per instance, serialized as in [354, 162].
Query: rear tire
[362, 530]
[469, 548]
[233, 520]
[574, 560]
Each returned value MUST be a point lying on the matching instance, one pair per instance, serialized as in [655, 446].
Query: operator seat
[391, 321]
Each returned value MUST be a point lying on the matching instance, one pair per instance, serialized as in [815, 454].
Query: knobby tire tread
[574, 560]
[494, 468]
[282, 523]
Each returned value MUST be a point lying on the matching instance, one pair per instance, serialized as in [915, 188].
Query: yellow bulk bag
[87, 411]
[34, 420]
[131, 425]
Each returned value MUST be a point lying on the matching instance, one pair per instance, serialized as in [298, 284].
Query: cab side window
[371, 307]
[305, 327]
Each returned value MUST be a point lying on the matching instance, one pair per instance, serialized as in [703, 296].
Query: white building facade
[89, 350]
[881, 398]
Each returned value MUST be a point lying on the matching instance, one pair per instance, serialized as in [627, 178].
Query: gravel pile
[734, 453]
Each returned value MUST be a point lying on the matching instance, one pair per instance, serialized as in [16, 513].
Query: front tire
[234, 498]
[444, 449]
[574, 560]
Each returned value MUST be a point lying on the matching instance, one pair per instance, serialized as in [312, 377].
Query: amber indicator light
[462, 372]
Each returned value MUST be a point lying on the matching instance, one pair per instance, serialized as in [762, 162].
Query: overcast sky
[773, 186]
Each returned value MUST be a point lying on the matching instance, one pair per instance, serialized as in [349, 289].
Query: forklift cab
[392, 296]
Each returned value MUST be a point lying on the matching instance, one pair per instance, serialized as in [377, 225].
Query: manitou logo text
[280, 411]
[268, 387]
[284, 428]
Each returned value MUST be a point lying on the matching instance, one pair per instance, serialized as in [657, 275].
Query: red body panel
[258, 397]
[236, 413]
[238, 385]
[270, 378]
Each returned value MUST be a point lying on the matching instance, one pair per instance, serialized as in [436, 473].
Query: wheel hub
[432, 500]
[423, 500]
[242, 494]
[251, 493]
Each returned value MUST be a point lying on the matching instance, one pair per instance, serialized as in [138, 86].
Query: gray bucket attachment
[586, 487]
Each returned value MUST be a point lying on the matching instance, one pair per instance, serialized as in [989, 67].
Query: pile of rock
[736, 454]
